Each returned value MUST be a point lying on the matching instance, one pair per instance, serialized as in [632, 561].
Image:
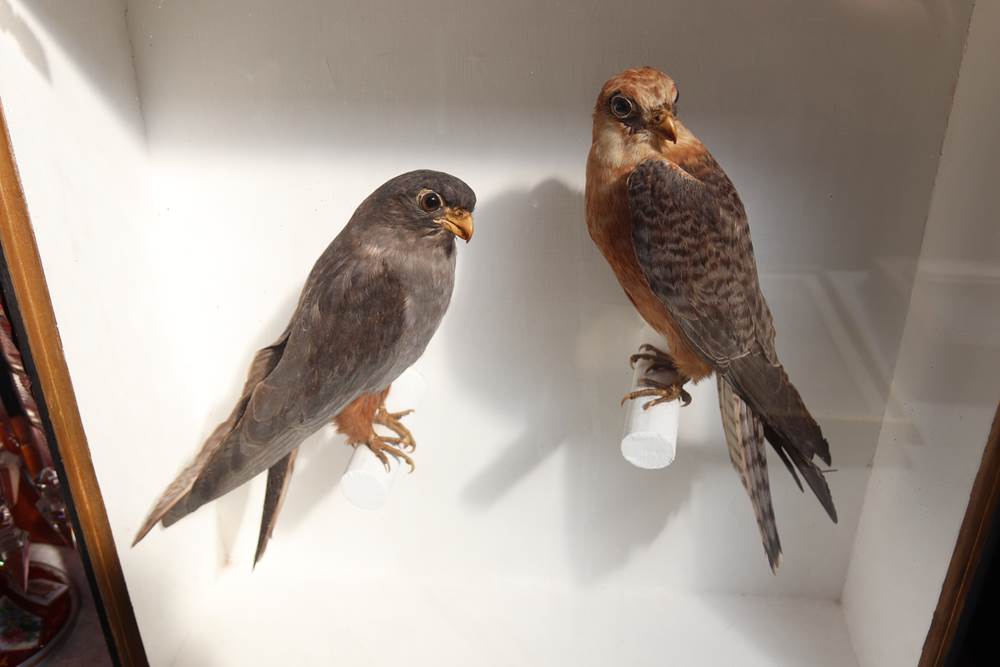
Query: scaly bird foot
[663, 393]
[391, 420]
[661, 378]
[380, 445]
[652, 353]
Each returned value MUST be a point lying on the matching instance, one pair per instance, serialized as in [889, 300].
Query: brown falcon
[673, 229]
[367, 311]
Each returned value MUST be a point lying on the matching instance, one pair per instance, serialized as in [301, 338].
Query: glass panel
[186, 164]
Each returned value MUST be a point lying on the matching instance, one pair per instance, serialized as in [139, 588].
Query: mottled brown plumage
[673, 229]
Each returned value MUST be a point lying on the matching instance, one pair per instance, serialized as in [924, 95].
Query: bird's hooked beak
[458, 221]
[662, 123]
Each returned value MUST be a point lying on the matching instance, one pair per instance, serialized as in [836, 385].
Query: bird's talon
[401, 442]
[391, 421]
[640, 356]
[379, 446]
[652, 353]
[660, 366]
[655, 383]
[380, 455]
[656, 401]
[660, 393]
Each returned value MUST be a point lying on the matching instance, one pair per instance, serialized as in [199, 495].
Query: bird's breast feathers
[609, 221]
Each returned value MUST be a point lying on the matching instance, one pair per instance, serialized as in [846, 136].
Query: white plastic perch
[650, 438]
[366, 482]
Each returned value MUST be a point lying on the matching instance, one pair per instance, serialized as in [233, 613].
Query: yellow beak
[458, 221]
[663, 125]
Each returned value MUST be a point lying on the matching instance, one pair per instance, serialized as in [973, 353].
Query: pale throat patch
[617, 148]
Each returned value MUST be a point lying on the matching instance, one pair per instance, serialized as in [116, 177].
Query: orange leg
[356, 422]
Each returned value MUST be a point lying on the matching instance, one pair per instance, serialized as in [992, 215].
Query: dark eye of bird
[429, 201]
[621, 106]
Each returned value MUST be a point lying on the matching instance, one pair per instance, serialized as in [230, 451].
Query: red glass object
[34, 620]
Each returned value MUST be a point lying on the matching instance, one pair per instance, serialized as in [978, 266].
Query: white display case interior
[185, 163]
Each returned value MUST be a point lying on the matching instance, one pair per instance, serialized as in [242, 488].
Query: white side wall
[946, 381]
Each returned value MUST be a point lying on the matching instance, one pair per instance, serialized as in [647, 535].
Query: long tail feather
[171, 502]
[773, 397]
[810, 471]
[278, 477]
[788, 426]
[745, 440]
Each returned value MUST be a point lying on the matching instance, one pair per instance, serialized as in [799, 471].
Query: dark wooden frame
[35, 323]
[973, 536]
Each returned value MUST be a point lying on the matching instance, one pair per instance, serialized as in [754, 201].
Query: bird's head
[427, 204]
[637, 109]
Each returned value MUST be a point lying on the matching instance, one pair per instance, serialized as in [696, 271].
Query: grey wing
[342, 341]
[263, 363]
[345, 337]
[693, 245]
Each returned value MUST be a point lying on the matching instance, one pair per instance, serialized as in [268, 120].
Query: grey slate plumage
[367, 311]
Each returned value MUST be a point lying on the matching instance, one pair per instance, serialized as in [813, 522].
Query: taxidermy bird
[670, 224]
[367, 311]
